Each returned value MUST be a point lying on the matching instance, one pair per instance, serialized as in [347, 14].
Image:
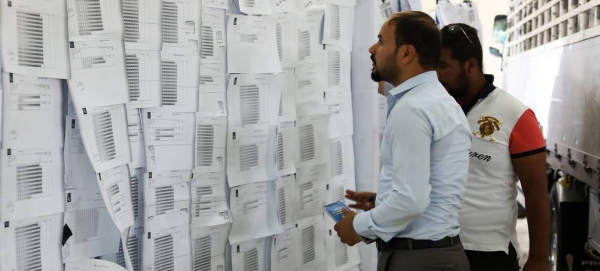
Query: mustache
[373, 58]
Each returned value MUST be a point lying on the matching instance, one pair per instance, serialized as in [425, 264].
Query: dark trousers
[494, 261]
[431, 259]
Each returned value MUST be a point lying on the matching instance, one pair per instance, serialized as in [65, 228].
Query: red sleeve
[526, 137]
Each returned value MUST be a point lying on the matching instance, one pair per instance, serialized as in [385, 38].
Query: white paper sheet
[311, 81]
[254, 211]
[281, 6]
[287, 200]
[170, 157]
[338, 67]
[249, 155]
[342, 157]
[168, 128]
[348, 3]
[313, 138]
[253, 100]
[166, 193]
[32, 243]
[116, 191]
[285, 251]
[311, 187]
[79, 172]
[136, 182]
[32, 116]
[338, 26]
[181, 26]
[143, 77]
[219, 4]
[312, 4]
[287, 148]
[256, 6]
[209, 200]
[286, 29]
[133, 248]
[142, 21]
[311, 233]
[250, 255]
[167, 249]
[90, 20]
[94, 232]
[92, 62]
[287, 103]
[93, 265]
[341, 257]
[340, 108]
[467, 13]
[105, 136]
[252, 34]
[179, 82]
[210, 143]
[41, 51]
[212, 49]
[208, 247]
[213, 104]
[212, 79]
[136, 139]
[31, 178]
[309, 36]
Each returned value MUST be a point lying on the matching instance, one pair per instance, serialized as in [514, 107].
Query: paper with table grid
[252, 34]
[254, 100]
[247, 152]
[209, 200]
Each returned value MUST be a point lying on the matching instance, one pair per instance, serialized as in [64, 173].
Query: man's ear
[407, 53]
[471, 66]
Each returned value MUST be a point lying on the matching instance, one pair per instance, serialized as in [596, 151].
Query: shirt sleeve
[526, 137]
[409, 138]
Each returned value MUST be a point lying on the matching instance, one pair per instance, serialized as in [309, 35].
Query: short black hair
[462, 48]
[419, 30]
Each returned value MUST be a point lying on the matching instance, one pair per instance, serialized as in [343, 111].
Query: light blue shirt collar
[415, 81]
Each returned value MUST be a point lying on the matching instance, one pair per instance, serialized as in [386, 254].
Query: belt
[412, 244]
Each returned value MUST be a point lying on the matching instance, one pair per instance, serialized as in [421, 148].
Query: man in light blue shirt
[425, 153]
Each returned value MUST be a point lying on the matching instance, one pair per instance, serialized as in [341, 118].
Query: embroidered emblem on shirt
[487, 126]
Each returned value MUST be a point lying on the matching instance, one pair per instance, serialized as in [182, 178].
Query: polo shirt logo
[487, 126]
[480, 156]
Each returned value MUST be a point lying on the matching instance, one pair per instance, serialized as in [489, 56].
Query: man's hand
[345, 228]
[364, 200]
[536, 265]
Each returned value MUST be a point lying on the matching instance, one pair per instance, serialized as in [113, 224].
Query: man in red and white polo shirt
[508, 146]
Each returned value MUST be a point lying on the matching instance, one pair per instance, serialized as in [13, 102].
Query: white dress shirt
[425, 151]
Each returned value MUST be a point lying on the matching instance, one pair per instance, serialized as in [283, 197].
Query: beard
[461, 86]
[388, 70]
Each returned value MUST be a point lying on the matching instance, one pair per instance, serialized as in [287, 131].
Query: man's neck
[406, 76]
[474, 90]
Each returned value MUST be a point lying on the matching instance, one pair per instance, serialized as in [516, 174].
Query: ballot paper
[218, 4]
[167, 249]
[287, 148]
[313, 138]
[179, 81]
[311, 81]
[116, 191]
[312, 4]
[287, 103]
[181, 26]
[136, 139]
[88, 20]
[79, 172]
[170, 157]
[36, 102]
[143, 77]
[309, 35]
[209, 200]
[34, 37]
[213, 39]
[210, 143]
[250, 255]
[94, 232]
[286, 29]
[254, 211]
[342, 156]
[31, 178]
[341, 121]
[287, 200]
[208, 247]
[168, 128]
[92, 62]
[256, 6]
[311, 183]
[93, 265]
[338, 67]
[142, 21]
[31, 243]
[249, 155]
[105, 135]
[253, 100]
[338, 26]
[166, 193]
[340, 257]
[252, 34]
